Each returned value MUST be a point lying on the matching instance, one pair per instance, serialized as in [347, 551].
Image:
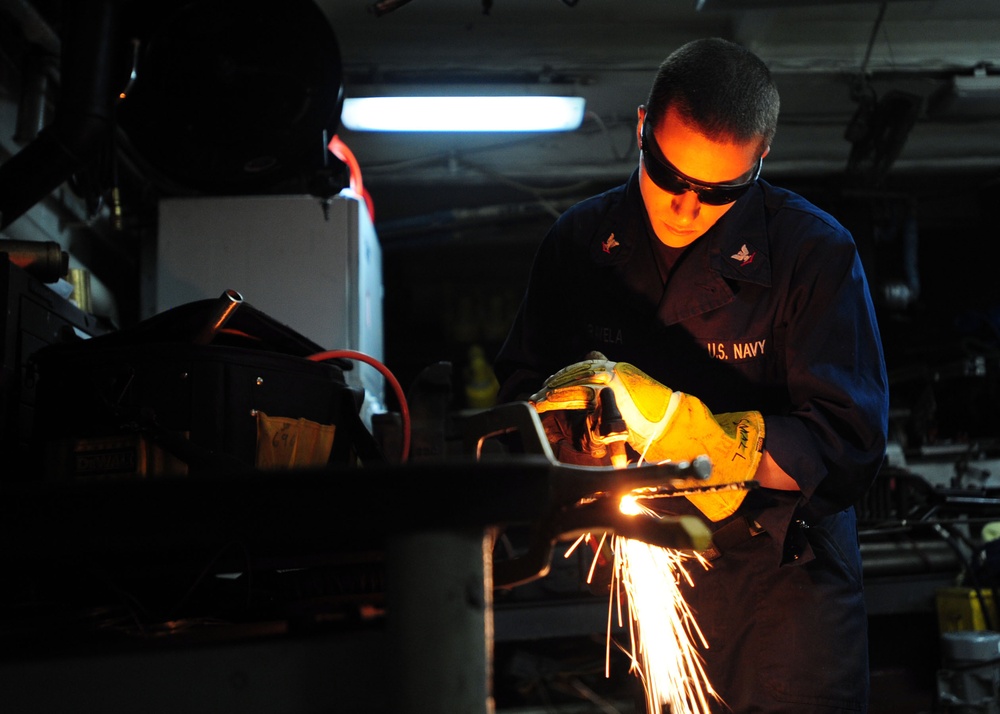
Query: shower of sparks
[663, 633]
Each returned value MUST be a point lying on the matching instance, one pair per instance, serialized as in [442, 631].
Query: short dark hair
[719, 86]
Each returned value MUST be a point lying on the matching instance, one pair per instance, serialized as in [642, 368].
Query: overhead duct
[967, 97]
[83, 115]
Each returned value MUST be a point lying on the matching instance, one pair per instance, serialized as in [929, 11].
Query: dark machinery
[383, 570]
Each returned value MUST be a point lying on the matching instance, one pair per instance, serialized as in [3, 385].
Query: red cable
[339, 149]
[404, 409]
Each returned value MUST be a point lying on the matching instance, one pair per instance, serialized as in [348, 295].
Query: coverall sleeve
[832, 442]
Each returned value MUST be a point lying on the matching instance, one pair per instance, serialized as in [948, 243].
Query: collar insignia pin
[744, 256]
[609, 243]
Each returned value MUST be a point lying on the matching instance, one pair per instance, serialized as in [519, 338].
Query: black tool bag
[181, 394]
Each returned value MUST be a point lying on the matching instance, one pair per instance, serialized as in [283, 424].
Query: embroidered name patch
[737, 351]
[604, 334]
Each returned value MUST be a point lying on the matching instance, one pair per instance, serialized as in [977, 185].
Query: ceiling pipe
[83, 114]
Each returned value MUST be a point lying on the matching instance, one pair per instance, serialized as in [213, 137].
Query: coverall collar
[734, 249]
[741, 250]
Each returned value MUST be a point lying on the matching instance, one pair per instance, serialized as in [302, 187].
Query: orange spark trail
[663, 633]
[662, 628]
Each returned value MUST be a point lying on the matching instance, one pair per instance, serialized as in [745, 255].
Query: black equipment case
[187, 392]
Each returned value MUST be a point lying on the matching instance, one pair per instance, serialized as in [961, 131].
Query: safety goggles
[666, 176]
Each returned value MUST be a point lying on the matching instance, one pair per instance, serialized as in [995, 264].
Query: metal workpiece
[334, 509]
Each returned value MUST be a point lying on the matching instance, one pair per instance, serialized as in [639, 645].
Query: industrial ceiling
[827, 57]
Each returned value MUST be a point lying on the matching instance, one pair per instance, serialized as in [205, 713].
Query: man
[697, 277]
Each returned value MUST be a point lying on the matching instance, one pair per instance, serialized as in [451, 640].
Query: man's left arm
[832, 442]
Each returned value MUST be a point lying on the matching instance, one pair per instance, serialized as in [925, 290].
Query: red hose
[339, 149]
[404, 409]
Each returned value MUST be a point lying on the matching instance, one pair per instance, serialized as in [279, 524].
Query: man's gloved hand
[665, 425]
[586, 433]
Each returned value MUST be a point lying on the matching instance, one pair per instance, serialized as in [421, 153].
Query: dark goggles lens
[664, 175]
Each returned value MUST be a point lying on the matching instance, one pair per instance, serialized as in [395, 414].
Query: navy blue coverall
[769, 310]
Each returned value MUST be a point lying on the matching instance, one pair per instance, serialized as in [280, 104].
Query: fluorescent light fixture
[463, 113]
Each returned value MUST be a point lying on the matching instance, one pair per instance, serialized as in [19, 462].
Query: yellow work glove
[665, 425]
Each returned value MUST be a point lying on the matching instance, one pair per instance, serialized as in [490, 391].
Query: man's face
[680, 219]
